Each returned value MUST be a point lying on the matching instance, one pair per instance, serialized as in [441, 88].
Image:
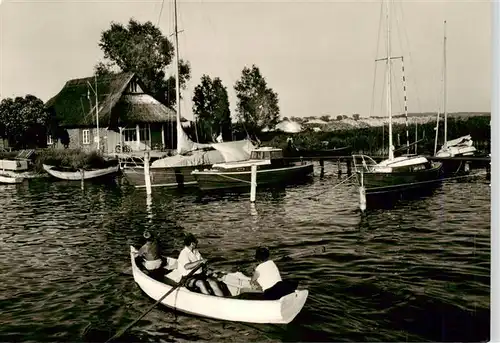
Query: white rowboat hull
[10, 179]
[281, 311]
[88, 174]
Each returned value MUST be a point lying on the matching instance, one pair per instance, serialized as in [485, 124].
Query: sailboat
[460, 147]
[395, 174]
[175, 171]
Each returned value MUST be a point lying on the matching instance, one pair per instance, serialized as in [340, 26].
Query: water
[417, 272]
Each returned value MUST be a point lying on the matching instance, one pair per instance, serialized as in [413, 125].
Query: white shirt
[269, 274]
[187, 256]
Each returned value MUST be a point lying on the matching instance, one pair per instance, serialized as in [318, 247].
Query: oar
[181, 283]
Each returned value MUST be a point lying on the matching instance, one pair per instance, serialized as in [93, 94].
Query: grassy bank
[372, 140]
[68, 158]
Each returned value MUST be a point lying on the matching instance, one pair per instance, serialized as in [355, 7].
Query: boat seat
[283, 288]
[159, 274]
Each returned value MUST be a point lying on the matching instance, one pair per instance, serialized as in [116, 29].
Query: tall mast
[177, 86]
[389, 97]
[97, 116]
[445, 93]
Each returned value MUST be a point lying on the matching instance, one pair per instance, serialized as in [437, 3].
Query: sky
[319, 56]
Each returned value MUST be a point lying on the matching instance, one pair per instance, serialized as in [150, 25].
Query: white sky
[318, 56]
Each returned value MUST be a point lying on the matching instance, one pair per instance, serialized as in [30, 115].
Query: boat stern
[292, 304]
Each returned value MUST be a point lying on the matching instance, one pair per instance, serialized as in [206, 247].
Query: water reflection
[418, 271]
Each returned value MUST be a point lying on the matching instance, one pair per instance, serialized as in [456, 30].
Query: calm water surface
[416, 272]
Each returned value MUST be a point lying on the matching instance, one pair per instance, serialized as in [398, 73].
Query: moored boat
[272, 169]
[9, 179]
[459, 147]
[397, 174]
[69, 174]
[175, 171]
[10, 171]
[394, 174]
[229, 307]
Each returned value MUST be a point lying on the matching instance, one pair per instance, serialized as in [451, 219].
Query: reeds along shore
[373, 140]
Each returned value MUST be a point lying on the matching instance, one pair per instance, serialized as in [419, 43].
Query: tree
[355, 116]
[143, 50]
[257, 105]
[211, 108]
[325, 118]
[102, 69]
[24, 121]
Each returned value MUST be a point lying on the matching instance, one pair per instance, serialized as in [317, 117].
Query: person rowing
[267, 277]
[190, 258]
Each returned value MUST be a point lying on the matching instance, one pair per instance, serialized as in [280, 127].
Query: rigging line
[398, 29]
[410, 58]
[231, 74]
[440, 102]
[376, 53]
[393, 78]
[161, 11]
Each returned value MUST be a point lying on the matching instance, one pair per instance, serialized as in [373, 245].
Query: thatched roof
[73, 108]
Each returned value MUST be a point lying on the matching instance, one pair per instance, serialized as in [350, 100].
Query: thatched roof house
[121, 99]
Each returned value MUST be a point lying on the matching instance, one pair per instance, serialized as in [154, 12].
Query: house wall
[110, 139]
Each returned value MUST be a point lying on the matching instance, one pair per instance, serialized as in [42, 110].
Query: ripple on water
[417, 272]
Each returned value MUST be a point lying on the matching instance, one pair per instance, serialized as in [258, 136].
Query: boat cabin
[266, 153]
[264, 158]
[408, 163]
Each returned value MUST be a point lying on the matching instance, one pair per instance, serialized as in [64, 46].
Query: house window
[133, 87]
[144, 134]
[86, 136]
[49, 140]
[129, 135]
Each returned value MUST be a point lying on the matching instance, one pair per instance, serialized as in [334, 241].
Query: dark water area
[419, 271]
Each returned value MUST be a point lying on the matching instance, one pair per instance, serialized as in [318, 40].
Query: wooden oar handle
[181, 283]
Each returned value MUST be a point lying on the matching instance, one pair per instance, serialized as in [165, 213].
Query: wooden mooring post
[362, 195]
[82, 172]
[253, 183]
[339, 168]
[147, 176]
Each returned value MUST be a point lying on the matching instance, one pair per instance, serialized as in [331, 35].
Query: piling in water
[147, 177]
[253, 183]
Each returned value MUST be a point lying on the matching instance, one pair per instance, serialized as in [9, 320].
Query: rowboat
[228, 308]
[77, 175]
[9, 179]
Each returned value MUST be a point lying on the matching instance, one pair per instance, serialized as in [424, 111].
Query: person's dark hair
[190, 238]
[261, 254]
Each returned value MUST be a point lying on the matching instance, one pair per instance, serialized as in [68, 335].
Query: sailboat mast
[389, 96]
[177, 83]
[445, 93]
[97, 116]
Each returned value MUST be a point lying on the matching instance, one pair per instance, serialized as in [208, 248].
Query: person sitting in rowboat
[267, 277]
[190, 258]
[150, 251]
